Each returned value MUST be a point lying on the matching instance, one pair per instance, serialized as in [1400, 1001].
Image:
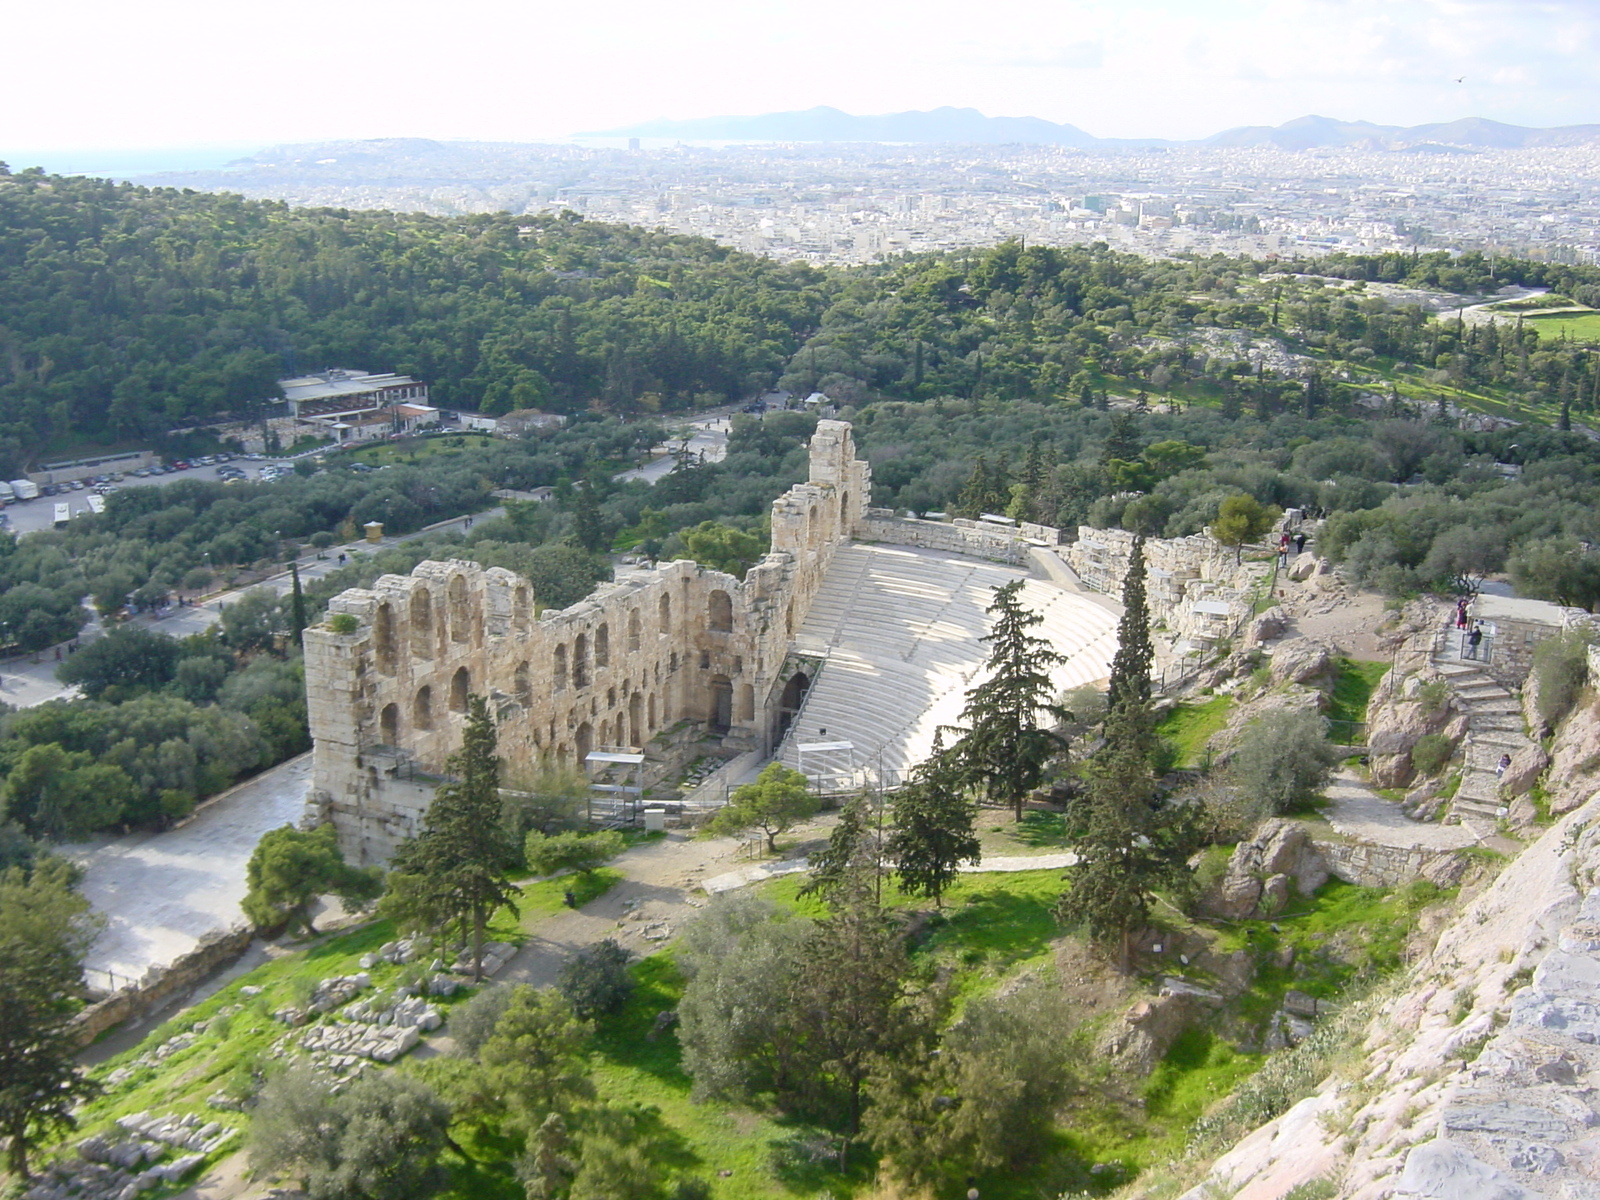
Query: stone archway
[719, 704]
[389, 725]
[460, 686]
[789, 702]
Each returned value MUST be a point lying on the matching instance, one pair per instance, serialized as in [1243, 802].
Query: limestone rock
[1303, 661]
[1267, 626]
[1274, 895]
[1303, 567]
[1450, 1172]
[1526, 766]
[1574, 772]
[1149, 1028]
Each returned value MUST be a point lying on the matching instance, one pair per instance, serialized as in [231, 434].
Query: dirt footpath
[656, 896]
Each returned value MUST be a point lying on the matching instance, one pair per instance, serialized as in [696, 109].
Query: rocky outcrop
[1263, 871]
[1404, 710]
[1305, 662]
[1573, 775]
[1473, 1080]
[1268, 626]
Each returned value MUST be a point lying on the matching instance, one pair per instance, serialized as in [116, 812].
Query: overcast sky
[109, 74]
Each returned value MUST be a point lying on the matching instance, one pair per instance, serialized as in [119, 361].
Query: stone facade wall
[1181, 574]
[622, 665]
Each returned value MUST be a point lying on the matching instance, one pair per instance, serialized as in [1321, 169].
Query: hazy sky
[107, 73]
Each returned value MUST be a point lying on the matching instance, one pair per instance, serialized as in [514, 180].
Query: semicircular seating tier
[900, 631]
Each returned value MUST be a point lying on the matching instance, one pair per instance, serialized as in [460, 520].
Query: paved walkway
[1357, 811]
[159, 892]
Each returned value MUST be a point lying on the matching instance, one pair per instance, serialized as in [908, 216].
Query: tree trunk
[477, 945]
[17, 1156]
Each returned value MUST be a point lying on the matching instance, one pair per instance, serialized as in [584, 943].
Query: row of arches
[425, 629]
[422, 707]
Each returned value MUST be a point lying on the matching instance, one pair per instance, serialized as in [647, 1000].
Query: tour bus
[63, 515]
[97, 504]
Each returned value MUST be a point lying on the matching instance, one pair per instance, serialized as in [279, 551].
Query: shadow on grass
[630, 1038]
[1041, 829]
[1000, 924]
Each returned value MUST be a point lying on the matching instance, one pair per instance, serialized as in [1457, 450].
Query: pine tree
[44, 932]
[454, 870]
[1002, 749]
[853, 846]
[933, 828]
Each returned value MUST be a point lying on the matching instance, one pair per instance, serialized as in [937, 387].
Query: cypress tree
[1130, 667]
[1129, 844]
[298, 608]
[455, 869]
[976, 492]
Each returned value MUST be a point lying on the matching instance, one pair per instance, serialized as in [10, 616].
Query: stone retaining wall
[1367, 865]
[216, 949]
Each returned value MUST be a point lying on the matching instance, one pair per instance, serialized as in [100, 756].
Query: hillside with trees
[129, 311]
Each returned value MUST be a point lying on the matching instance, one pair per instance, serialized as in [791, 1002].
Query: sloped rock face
[1478, 1079]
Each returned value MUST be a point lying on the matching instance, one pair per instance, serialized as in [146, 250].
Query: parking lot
[30, 516]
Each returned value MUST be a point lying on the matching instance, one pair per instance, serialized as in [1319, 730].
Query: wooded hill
[126, 311]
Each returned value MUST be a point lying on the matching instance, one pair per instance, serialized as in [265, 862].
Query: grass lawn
[1353, 688]
[1580, 327]
[1190, 726]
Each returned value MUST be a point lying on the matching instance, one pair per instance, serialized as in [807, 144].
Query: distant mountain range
[971, 127]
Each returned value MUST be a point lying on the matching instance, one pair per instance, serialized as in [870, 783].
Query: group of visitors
[1296, 539]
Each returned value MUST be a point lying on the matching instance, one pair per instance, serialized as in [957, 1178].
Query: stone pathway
[160, 892]
[1356, 811]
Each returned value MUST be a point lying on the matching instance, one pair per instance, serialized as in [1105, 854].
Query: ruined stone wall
[680, 642]
[997, 543]
[1197, 594]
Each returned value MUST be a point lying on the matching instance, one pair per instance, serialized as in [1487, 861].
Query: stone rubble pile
[399, 953]
[381, 1028]
[495, 956]
[121, 1168]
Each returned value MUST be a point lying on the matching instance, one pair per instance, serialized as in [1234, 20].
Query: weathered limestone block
[1266, 627]
[1527, 764]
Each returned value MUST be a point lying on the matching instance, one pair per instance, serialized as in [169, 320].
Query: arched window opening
[522, 684]
[460, 685]
[584, 739]
[422, 708]
[602, 647]
[633, 632]
[720, 612]
[422, 636]
[389, 725]
[664, 613]
[794, 695]
[580, 661]
[383, 638]
[558, 673]
[719, 708]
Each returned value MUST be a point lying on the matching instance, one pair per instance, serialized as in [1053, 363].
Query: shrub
[343, 623]
[595, 980]
[1561, 668]
[1284, 759]
[472, 1023]
[1431, 753]
[1434, 696]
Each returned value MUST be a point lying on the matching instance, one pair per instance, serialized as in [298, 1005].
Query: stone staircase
[1494, 728]
[899, 630]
